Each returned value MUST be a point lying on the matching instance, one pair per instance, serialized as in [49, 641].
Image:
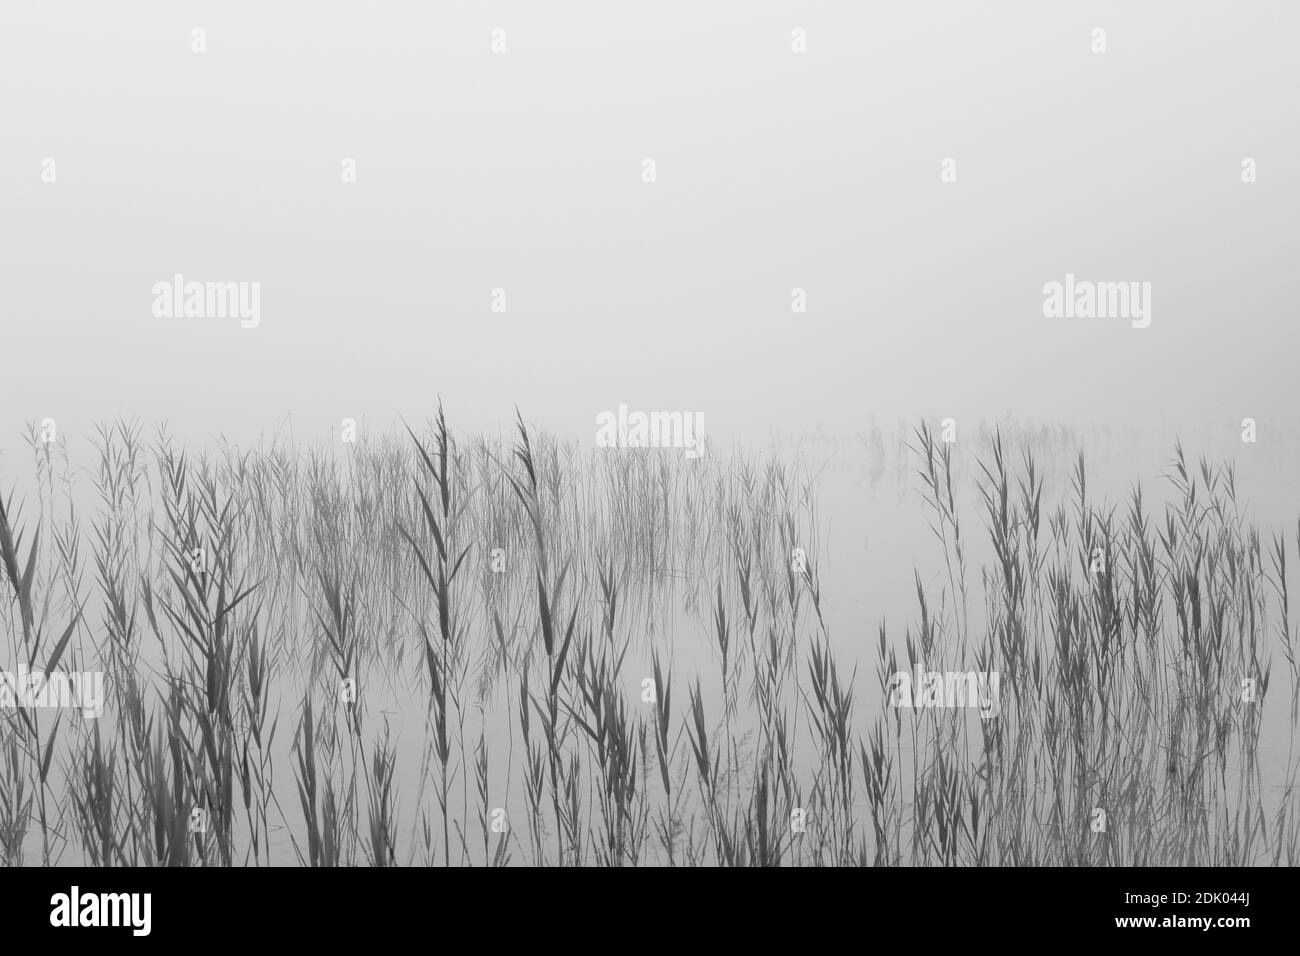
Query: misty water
[863, 522]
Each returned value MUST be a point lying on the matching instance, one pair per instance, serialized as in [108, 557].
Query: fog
[523, 171]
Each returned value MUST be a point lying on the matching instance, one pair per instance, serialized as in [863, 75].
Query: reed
[628, 658]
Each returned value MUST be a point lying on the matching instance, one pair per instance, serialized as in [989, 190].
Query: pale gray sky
[523, 170]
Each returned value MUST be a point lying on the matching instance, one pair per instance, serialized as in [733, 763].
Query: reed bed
[432, 649]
